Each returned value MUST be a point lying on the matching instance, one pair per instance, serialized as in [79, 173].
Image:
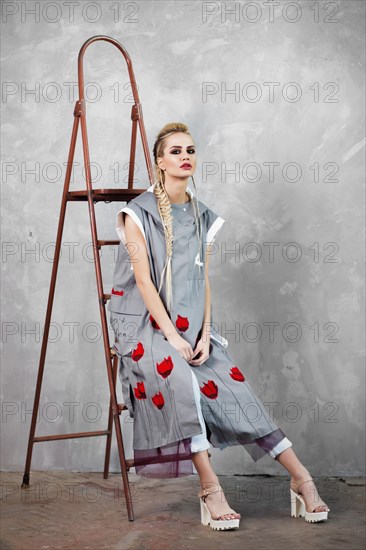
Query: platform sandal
[298, 505]
[216, 522]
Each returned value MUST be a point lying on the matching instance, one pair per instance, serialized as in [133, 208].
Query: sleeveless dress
[178, 408]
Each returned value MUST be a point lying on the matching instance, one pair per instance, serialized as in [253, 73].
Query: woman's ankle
[210, 484]
[301, 474]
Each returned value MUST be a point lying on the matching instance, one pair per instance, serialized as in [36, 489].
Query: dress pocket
[126, 319]
[128, 305]
[127, 333]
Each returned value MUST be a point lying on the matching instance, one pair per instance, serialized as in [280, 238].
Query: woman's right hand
[182, 346]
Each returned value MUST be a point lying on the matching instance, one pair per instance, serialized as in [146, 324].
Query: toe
[322, 508]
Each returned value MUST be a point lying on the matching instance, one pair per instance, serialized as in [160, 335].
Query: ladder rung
[70, 436]
[106, 297]
[107, 195]
[121, 407]
[106, 243]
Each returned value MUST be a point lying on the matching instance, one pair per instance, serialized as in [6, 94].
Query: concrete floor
[85, 511]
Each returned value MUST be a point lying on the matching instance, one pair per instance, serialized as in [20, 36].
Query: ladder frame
[92, 196]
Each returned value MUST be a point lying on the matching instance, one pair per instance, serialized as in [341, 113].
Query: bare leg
[217, 505]
[290, 461]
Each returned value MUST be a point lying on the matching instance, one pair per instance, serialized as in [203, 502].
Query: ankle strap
[301, 481]
[207, 491]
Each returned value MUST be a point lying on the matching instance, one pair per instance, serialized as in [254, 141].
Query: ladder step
[106, 243]
[121, 407]
[106, 195]
[70, 436]
[106, 297]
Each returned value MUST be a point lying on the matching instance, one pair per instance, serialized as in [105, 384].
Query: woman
[179, 383]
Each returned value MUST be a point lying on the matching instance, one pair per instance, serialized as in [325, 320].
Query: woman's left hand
[202, 349]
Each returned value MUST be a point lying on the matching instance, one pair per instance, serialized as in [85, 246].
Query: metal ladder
[93, 196]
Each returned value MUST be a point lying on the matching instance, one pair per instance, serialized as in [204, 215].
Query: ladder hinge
[136, 111]
[79, 109]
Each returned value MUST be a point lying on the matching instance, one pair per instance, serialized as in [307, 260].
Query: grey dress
[156, 381]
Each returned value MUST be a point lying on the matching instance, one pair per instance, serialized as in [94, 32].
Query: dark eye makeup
[191, 151]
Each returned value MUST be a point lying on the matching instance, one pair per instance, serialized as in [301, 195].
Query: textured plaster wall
[281, 84]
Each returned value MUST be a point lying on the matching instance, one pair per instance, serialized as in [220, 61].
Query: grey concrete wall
[273, 95]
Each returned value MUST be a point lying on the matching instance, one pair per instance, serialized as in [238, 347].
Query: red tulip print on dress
[237, 375]
[165, 367]
[117, 292]
[158, 400]
[140, 391]
[210, 389]
[138, 352]
[182, 323]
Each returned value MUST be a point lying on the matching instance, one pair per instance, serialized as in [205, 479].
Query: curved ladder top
[121, 49]
[136, 114]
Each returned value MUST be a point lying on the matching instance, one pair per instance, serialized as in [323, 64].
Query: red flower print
[158, 400]
[153, 322]
[138, 352]
[237, 375]
[165, 367]
[117, 292]
[140, 391]
[182, 323]
[210, 389]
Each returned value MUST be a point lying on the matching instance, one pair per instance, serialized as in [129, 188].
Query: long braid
[165, 211]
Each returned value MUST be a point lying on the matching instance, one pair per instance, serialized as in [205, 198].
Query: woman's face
[179, 151]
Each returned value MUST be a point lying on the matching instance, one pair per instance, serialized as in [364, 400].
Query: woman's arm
[141, 267]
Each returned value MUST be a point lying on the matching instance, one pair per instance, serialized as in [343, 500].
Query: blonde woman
[181, 386]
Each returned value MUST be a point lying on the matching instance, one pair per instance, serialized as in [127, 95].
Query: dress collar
[151, 189]
[148, 202]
